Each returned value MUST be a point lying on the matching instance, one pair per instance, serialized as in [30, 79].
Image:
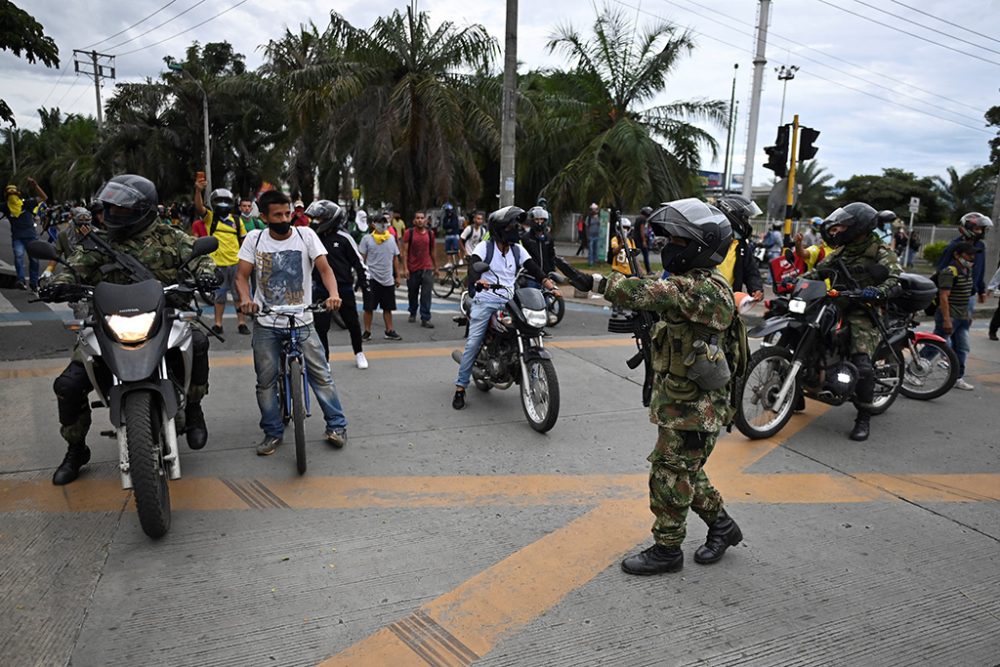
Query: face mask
[280, 228]
[964, 263]
[381, 227]
[511, 235]
[670, 256]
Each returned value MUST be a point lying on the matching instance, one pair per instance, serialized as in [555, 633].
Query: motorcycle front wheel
[931, 373]
[540, 395]
[144, 436]
[757, 414]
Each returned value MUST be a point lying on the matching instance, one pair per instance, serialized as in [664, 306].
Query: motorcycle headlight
[131, 328]
[536, 318]
[797, 306]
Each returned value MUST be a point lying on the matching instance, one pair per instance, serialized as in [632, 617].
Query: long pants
[267, 343]
[645, 258]
[419, 284]
[958, 339]
[592, 245]
[20, 254]
[348, 312]
[73, 386]
[479, 320]
[995, 321]
[677, 482]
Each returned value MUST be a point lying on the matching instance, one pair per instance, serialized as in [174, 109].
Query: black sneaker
[411, 319]
[426, 324]
[337, 437]
[367, 335]
[268, 445]
[392, 335]
[459, 401]
[244, 329]
[217, 328]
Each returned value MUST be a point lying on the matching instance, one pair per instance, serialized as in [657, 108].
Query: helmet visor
[753, 210]
[125, 196]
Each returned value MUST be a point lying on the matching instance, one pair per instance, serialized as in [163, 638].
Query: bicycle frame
[290, 350]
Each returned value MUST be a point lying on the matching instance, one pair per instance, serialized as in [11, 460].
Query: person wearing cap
[299, 217]
[20, 212]
[592, 226]
[955, 287]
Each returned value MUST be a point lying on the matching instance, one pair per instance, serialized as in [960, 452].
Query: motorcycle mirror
[480, 267]
[39, 249]
[204, 246]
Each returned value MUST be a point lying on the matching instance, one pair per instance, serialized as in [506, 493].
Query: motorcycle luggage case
[915, 293]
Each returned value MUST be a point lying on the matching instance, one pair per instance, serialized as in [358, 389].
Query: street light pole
[508, 121]
[785, 75]
[13, 155]
[759, 61]
[179, 67]
[726, 180]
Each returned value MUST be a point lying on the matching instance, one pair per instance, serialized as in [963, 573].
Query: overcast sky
[881, 98]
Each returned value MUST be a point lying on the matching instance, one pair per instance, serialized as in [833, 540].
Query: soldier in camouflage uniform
[695, 307]
[129, 213]
[849, 230]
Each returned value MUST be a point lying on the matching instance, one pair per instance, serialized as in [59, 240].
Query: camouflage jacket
[859, 256]
[693, 298]
[160, 248]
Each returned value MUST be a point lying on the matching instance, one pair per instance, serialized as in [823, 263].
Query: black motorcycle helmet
[884, 218]
[326, 216]
[858, 219]
[646, 211]
[739, 210]
[706, 229]
[505, 224]
[129, 203]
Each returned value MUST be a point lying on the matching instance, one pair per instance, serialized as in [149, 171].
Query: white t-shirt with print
[471, 237]
[283, 270]
[503, 270]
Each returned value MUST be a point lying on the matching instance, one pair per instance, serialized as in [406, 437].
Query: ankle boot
[76, 457]
[862, 426]
[722, 534]
[196, 430]
[657, 559]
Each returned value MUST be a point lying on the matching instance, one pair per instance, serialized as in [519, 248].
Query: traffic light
[807, 137]
[777, 155]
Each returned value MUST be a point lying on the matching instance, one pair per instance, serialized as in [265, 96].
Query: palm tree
[816, 197]
[625, 154]
[971, 191]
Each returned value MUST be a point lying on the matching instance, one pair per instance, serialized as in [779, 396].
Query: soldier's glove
[871, 294]
[60, 293]
[208, 282]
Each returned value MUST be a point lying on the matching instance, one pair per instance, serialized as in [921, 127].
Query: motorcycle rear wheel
[144, 437]
[925, 377]
[887, 369]
[756, 415]
[540, 395]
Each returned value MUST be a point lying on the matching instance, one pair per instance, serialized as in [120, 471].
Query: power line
[911, 34]
[828, 55]
[66, 92]
[156, 27]
[90, 46]
[927, 27]
[56, 84]
[938, 18]
[198, 25]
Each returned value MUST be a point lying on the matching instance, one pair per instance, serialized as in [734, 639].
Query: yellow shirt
[620, 262]
[814, 253]
[728, 266]
[229, 242]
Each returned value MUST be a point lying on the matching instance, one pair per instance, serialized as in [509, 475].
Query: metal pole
[13, 154]
[785, 75]
[97, 89]
[208, 140]
[729, 133]
[732, 153]
[790, 193]
[758, 81]
[508, 137]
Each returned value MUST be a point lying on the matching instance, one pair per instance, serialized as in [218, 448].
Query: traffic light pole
[790, 195]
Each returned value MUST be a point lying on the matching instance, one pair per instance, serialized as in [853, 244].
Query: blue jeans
[479, 321]
[20, 252]
[266, 360]
[958, 340]
[419, 285]
[451, 244]
[592, 249]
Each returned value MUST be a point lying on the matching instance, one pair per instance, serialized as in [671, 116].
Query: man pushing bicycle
[282, 259]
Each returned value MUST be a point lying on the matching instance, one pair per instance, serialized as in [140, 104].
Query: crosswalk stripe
[6, 309]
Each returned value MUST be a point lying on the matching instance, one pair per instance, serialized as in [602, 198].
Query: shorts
[383, 296]
[451, 244]
[228, 274]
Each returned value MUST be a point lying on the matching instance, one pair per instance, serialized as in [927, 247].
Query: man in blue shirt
[21, 213]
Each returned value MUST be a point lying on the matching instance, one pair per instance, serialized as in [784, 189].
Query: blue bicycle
[293, 384]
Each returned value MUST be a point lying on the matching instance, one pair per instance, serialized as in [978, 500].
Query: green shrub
[933, 251]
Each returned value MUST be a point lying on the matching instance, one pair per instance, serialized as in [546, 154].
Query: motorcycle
[131, 332]
[513, 351]
[807, 352]
[555, 304]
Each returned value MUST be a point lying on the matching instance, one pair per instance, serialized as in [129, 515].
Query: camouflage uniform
[161, 249]
[859, 256]
[689, 419]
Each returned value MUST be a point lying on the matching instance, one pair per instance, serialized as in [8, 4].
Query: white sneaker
[361, 360]
[960, 383]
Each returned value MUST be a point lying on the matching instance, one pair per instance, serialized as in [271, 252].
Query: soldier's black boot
[862, 426]
[76, 457]
[722, 534]
[197, 431]
[657, 559]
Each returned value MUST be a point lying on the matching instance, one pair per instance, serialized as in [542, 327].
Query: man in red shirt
[299, 217]
[421, 266]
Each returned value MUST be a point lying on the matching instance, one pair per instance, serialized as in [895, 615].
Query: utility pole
[785, 75]
[732, 153]
[758, 81]
[508, 125]
[179, 67]
[13, 155]
[726, 179]
[86, 62]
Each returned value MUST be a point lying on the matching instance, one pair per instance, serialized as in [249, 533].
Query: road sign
[914, 204]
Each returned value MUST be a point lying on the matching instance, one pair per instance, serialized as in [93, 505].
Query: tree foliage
[21, 34]
[892, 190]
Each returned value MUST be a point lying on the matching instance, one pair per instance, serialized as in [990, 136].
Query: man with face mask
[505, 256]
[972, 229]
[20, 213]
[954, 298]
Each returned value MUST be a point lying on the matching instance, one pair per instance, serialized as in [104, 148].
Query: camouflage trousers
[677, 481]
[865, 336]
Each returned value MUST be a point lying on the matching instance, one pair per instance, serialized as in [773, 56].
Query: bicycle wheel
[444, 286]
[297, 382]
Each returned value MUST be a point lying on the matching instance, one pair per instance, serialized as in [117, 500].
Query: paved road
[449, 538]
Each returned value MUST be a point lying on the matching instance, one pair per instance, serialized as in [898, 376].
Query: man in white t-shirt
[473, 234]
[507, 257]
[282, 259]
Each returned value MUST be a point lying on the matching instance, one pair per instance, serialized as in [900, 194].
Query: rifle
[641, 322]
[120, 260]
